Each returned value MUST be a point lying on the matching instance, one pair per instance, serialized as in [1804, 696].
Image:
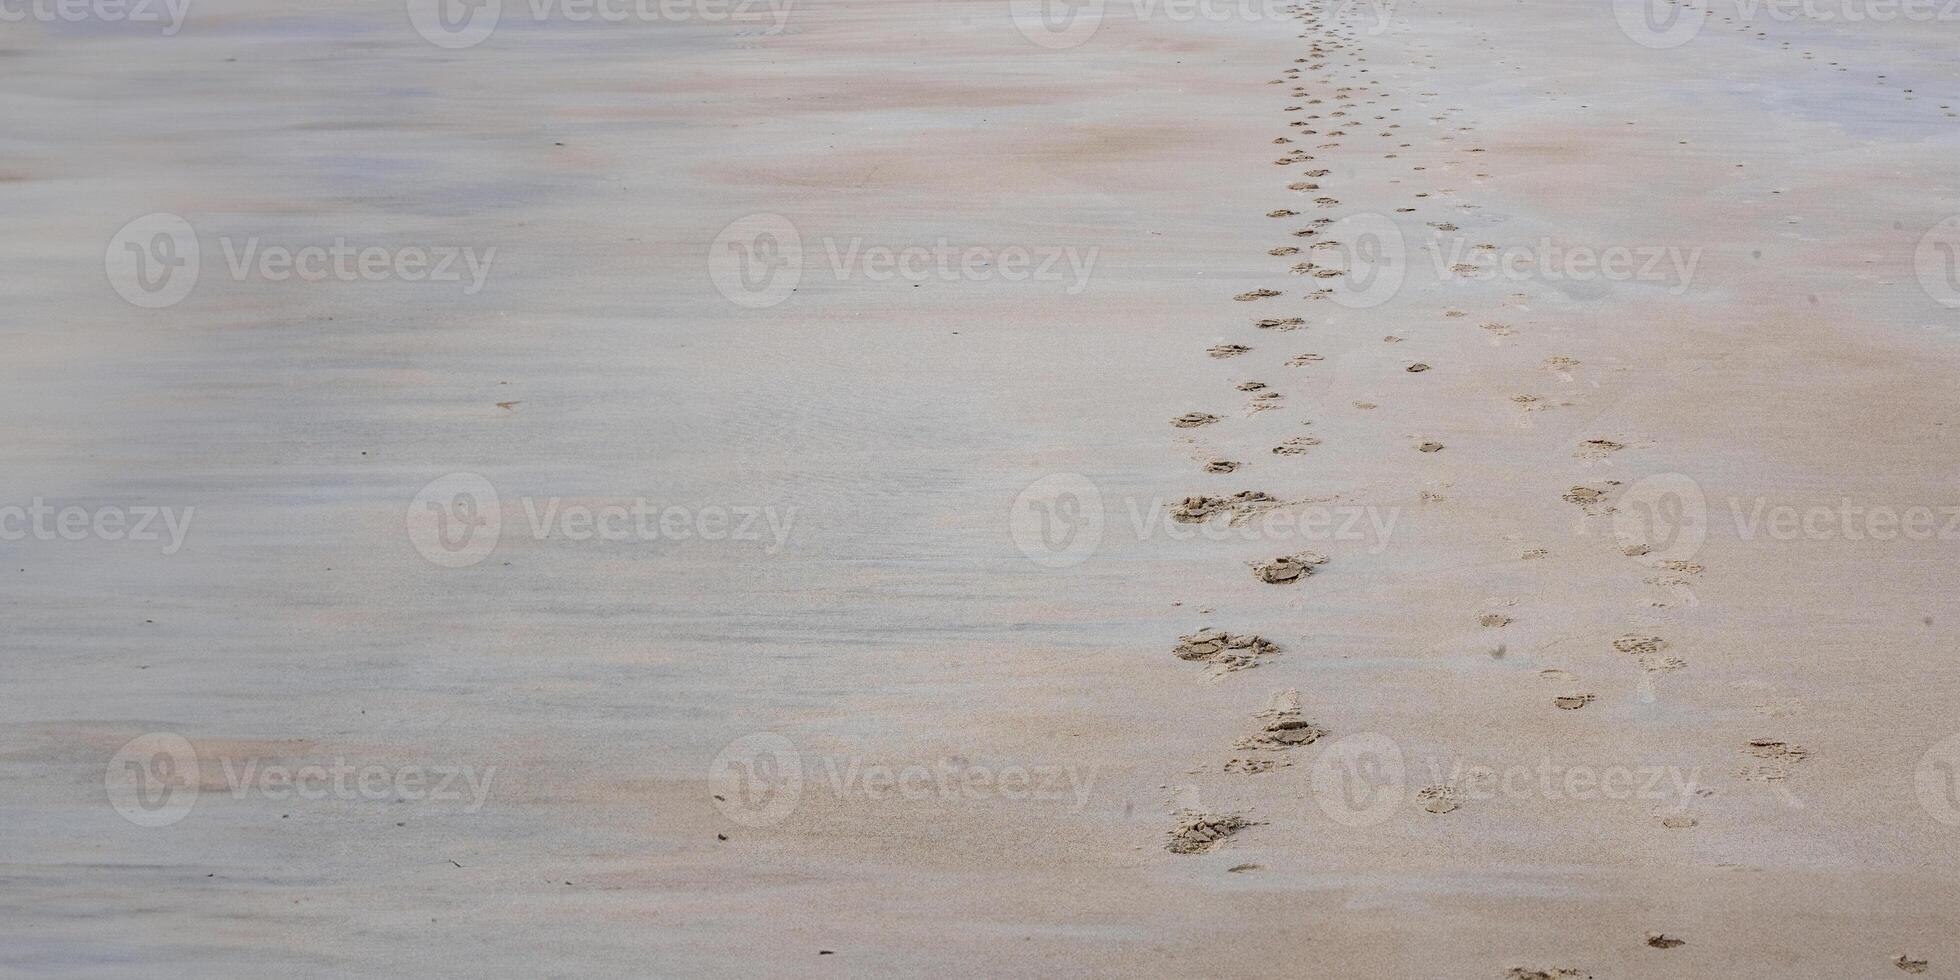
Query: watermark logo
[1658, 24]
[1848, 11]
[455, 520]
[1362, 780]
[1057, 521]
[942, 261]
[1062, 519]
[1548, 261]
[153, 779]
[152, 261]
[458, 24]
[455, 24]
[1936, 781]
[1358, 780]
[1057, 24]
[757, 261]
[169, 13]
[1937, 262]
[1370, 257]
[1663, 517]
[757, 779]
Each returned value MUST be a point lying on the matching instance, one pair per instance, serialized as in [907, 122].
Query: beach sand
[819, 518]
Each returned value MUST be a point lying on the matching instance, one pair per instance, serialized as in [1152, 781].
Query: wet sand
[866, 655]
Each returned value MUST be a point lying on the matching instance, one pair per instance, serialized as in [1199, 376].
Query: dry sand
[1580, 622]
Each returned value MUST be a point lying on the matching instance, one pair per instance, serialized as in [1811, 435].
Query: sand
[892, 488]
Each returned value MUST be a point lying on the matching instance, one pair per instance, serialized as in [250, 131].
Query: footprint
[1282, 323]
[1661, 940]
[1439, 799]
[1224, 651]
[1908, 964]
[1248, 297]
[1221, 466]
[1240, 506]
[1201, 833]
[1429, 447]
[1296, 446]
[1591, 498]
[1288, 569]
[1284, 729]
[1191, 420]
[1573, 702]
[1769, 748]
[1254, 766]
[1227, 350]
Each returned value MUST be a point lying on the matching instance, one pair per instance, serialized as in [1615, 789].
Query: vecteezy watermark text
[169, 14]
[1364, 779]
[155, 780]
[1549, 261]
[757, 261]
[43, 521]
[154, 261]
[1672, 23]
[1059, 24]
[1061, 520]
[456, 520]
[758, 780]
[458, 24]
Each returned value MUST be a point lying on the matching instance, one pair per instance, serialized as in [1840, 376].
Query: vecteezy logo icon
[1659, 23]
[455, 23]
[1937, 261]
[1358, 780]
[1058, 520]
[757, 261]
[1937, 781]
[1367, 250]
[152, 780]
[455, 520]
[152, 261]
[757, 779]
[1057, 24]
[1663, 517]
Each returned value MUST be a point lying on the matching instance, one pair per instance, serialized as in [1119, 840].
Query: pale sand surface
[889, 428]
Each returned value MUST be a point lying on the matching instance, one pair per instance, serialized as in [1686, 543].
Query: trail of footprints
[1333, 107]
[1322, 122]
